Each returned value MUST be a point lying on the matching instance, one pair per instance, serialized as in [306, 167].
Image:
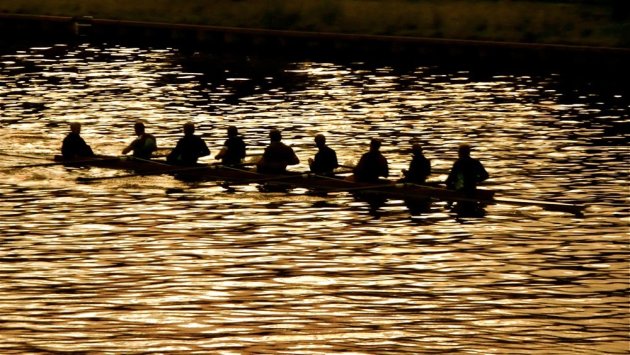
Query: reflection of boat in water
[469, 209]
[417, 197]
[418, 206]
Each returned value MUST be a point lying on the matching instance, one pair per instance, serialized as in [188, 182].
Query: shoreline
[237, 39]
[573, 22]
[103, 22]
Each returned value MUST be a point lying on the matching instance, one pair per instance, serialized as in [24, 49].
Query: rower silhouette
[372, 164]
[73, 145]
[419, 167]
[233, 150]
[370, 168]
[466, 172]
[325, 160]
[277, 155]
[419, 170]
[144, 145]
[189, 148]
[464, 177]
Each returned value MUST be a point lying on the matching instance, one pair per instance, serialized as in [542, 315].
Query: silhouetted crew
[419, 167]
[189, 148]
[277, 155]
[466, 172]
[325, 161]
[372, 164]
[233, 151]
[144, 145]
[74, 146]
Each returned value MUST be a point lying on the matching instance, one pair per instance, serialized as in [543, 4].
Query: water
[156, 265]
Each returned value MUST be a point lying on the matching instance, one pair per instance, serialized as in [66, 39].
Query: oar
[24, 156]
[175, 169]
[576, 209]
[277, 178]
[363, 188]
[65, 162]
[149, 161]
[433, 170]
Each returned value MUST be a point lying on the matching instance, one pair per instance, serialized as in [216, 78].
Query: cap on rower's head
[189, 128]
[375, 143]
[275, 135]
[139, 127]
[232, 131]
[320, 139]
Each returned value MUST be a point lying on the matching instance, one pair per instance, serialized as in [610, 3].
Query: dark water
[155, 265]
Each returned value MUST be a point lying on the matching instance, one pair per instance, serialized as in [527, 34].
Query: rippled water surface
[156, 265]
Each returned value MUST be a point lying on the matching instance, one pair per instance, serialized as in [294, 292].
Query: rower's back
[189, 148]
[325, 160]
[466, 172]
[144, 145]
[277, 156]
[74, 146]
[372, 164]
[234, 149]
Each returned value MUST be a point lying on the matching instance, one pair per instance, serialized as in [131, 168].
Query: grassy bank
[601, 23]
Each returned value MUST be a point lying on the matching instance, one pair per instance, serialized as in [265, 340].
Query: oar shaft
[63, 162]
[168, 169]
[277, 178]
[173, 169]
[24, 156]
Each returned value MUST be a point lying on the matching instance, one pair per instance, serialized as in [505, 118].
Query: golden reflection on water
[156, 265]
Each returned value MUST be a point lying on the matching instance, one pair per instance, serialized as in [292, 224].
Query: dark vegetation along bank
[569, 33]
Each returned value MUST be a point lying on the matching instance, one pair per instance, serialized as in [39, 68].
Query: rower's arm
[482, 174]
[129, 148]
[221, 153]
[203, 149]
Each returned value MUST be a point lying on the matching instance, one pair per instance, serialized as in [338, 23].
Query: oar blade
[575, 209]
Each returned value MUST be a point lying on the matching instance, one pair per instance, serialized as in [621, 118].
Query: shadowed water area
[156, 265]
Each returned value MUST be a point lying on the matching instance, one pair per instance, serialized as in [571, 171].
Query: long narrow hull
[324, 184]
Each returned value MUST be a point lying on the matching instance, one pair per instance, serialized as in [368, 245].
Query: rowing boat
[240, 175]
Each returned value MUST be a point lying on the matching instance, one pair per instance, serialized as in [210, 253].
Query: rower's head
[232, 131]
[375, 144]
[139, 128]
[320, 140]
[464, 150]
[75, 127]
[189, 128]
[416, 149]
[275, 135]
